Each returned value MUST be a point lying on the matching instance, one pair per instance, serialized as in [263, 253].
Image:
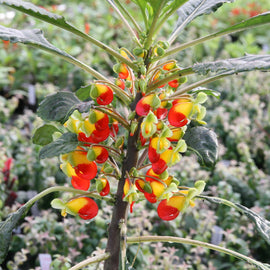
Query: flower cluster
[160, 120]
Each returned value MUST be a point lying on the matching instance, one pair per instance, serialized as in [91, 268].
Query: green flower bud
[160, 51]
[142, 85]
[138, 52]
[163, 44]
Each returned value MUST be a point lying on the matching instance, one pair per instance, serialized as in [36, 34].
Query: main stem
[120, 207]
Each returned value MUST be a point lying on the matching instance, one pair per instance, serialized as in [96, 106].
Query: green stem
[118, 91]
[177, 31]
[133, 34]
[128, 15]
[114, 115]
[233, 29]
[166, 17]
[95, 259]
[176, 75]
[197, 84]
[105, 48]
[63, 189]
[152, 29]
[171, 239]
[73, 61]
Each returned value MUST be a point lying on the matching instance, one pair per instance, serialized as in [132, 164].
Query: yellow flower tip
[63, 213]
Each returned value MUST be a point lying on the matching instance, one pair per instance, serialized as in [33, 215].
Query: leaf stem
[197, 84]
[119, 91]
[114, 115]
[63, 189]
[176, 75]
[128, 15]
[152, 30]
[95, 259]
[140, 239]
[248, 24]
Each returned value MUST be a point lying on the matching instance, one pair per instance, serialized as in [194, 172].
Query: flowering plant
[128, 131]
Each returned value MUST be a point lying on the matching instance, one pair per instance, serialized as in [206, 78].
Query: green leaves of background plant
[204, 143]
[262, 225]
[6, 228]
[192, 9]
[65, 144]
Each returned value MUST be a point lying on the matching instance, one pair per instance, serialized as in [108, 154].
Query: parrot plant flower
[121, 137]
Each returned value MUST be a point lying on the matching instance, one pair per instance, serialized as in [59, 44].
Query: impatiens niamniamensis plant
[131, 129]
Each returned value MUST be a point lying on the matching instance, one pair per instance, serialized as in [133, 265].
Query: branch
[171, 239]
[95, 259]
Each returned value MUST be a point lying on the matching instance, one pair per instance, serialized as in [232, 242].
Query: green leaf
[192, 9]
[59, 106]
[6, 228]
[65, 144]
[44, 15]
[262, 225]
[84, 92]
[234, 65]
[33, 37]
[204, 143]
[44, 135]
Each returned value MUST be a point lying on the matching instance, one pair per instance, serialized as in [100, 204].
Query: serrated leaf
[84, 92]
[204, 143]
[44, 15]
[39, 13]
[262, 225]
[192, 9]
[44, 135]
[33, 37]
[65, 144]
[234, 65]
[6, 228]
[58, 107]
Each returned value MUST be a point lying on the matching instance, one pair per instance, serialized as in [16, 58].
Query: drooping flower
[179, 113]
[103, 186]
[147, 103]
[98, 154]
[129, 194]
[171, 208]
[102, 93]
[84, 207]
